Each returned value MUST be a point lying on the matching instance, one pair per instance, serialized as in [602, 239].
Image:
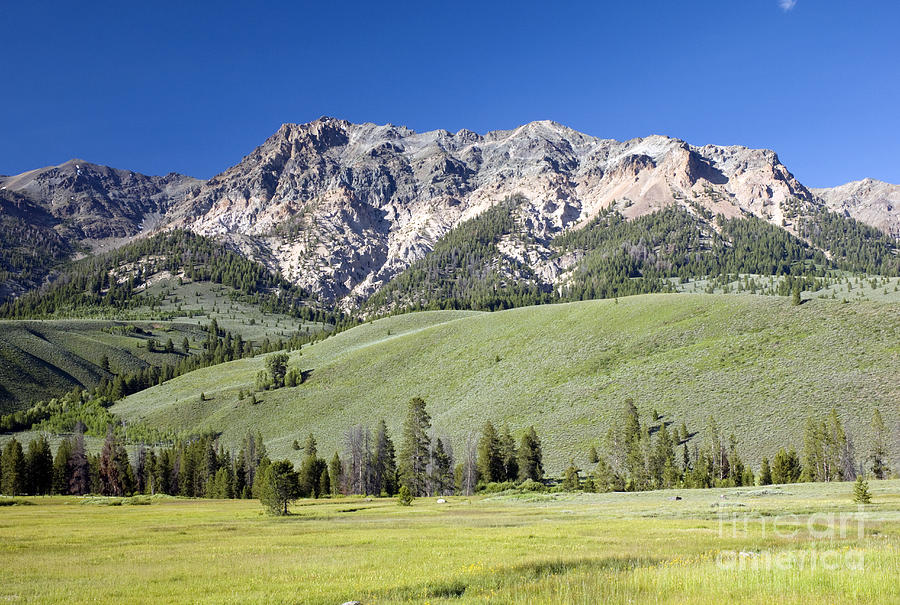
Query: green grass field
[757, 364]
[537, 548]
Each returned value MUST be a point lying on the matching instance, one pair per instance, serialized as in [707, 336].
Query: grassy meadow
[758, 364]
[507, 548]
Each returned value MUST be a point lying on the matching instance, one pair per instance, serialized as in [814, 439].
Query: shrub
[404, 496]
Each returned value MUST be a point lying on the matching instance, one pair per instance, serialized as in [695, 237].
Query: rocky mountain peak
[342, 207]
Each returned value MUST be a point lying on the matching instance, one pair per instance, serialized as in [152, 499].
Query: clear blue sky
[193, 87]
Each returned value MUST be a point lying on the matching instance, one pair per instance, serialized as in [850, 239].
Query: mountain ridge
[341, 208]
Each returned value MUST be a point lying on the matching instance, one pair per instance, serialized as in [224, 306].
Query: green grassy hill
[758, 365]
[46, 358]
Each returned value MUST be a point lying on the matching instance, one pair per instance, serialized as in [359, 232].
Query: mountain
[342, 208]
[49, 214]
[98, 202]
[873, 202]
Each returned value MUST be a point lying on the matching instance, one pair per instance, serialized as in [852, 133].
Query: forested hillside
[612, 256]
[466, 270]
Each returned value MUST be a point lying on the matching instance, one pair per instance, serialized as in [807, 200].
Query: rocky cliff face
[340, 208]
[873, 202]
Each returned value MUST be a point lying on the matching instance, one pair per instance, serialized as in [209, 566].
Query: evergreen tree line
[466, 270]
[619, 257]
[30, 251]
[643, 456]
[426, 463]
[196, 468]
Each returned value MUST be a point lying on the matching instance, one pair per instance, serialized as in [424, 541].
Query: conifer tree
[324, 483]
[80, 479]
[13, 469]
[336, 474]
[490, 460]
[509, 455]
[61, 467]
[384, 464]
[414, 449]
[39, 466]
[441, 469]
[278, 486]
[530, 455]
[571, 480]
[311, 468]
[878, 452]
[861, 493]
[765, 473]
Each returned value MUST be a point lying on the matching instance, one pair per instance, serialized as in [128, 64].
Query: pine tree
[39, 466]
[324, 483]
[530, 457]
[404, 496]
[593, 456]
[861, 493]
[384, 464]
[279, 487]
[62, 467]
[509, 456]
[414, 450]
[441, 469]
[490, 461]
[276, 365]
[605, 479]
[836, 449]
[336, 474]
[878, 452]
[571, 480]
[786, 467]
[765, 473]
[13, 469]
[311, 468]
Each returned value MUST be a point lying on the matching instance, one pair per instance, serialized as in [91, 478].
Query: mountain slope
[48, 215]
[875, 203]
[758, 365]
[98, 202]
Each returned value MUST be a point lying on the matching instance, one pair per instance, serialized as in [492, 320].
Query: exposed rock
[341, 208]
[94, 203]
[874, 202]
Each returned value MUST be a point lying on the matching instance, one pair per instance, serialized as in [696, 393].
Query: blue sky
[193, 87]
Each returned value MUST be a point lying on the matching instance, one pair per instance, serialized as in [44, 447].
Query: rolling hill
[758, 365]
